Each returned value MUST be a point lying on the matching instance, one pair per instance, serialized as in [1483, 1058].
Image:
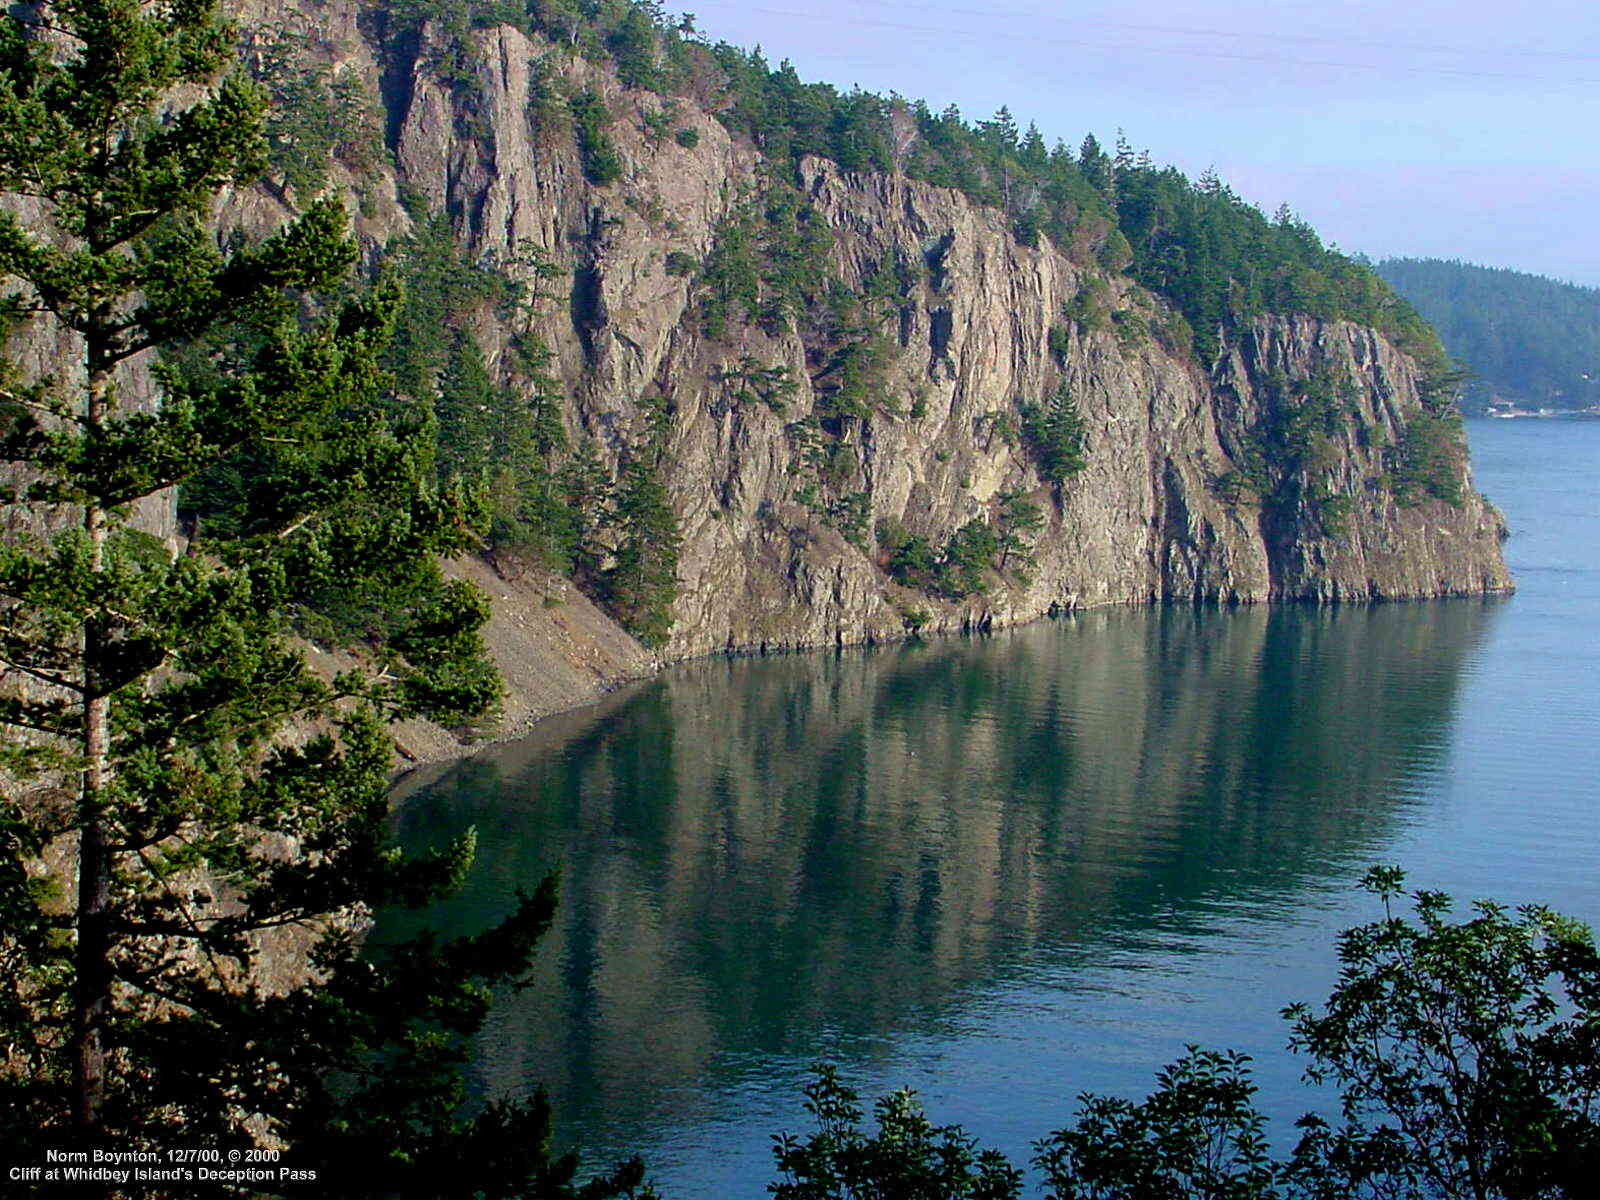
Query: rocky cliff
[784, 497]
[972, 337]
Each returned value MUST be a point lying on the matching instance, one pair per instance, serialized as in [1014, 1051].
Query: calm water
[1009, 869]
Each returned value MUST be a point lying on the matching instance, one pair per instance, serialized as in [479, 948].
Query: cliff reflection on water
[769, 859]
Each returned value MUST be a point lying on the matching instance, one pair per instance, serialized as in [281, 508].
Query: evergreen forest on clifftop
[1214, 261]
[1216, 258]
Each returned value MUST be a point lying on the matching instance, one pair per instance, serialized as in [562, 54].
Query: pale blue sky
[1429, 127]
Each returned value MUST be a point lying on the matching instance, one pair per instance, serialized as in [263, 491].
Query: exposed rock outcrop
[1143, 521]
[979, 330]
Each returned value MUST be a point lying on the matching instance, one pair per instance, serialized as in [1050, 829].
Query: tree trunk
[92, 976]
[93, 966]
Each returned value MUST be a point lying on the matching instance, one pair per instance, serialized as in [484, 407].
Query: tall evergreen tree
[1017, 522]
[1032, 151]
[1001, 131]
[642, 581]
[1054, 432]
[159, 824]
[1095, 164]
[467, 406]
[633, 48]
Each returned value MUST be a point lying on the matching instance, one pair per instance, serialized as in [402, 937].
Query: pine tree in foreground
[159, 823]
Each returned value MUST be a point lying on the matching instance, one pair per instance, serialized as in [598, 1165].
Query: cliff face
[1144, 519]
[975, 330]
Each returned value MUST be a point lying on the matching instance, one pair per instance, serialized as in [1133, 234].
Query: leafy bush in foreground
[1466, 1054]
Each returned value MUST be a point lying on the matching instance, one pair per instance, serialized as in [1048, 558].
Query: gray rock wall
[760, 568]
[1142, 522]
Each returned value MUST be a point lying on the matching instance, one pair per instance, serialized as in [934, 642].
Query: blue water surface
[1006, 870]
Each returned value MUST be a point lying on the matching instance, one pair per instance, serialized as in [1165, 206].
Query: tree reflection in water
[763, 857]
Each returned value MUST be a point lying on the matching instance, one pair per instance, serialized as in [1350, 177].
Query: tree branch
[41, 676]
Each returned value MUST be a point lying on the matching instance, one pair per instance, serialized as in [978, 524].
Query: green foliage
[750, 383]
[1017, 522]
[1216, 259]
[1286, 456]
[442, 289]
[183, 739]
[314, 117]
[601, 164]
[1198, 1135]
[451, 55]
[730, 280]
[1090, 307]
[853, 383]
[769, 264]
[889, 287]
[1174, 333]
[1004, 425]
[1465, 1053]
[687, 138]
[961, 566]
[1115, 255]
[1302, 417]
[548, 114]
[561, 20]
[908, 558]
[914, 620]
[1429, 461]
[1334, 513]
[541, 431]
[633, 49]
[642, 581]
[506, 437]
[658, 122]
[1531, 341]
[1060, 341]
[1220, 261]
[467, 409]
[849, 514]
[1131, 328]
[1439, 385]
[968, 556]
[1025, 229]
[500, 434]
[585, 488]
[904, 1156]
[1054, 434]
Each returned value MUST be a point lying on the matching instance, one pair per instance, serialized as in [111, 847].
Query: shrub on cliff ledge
[1429, 461]
[1054, 434]
[590, 116]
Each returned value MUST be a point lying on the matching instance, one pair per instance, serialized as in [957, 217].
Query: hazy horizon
[1429, 131]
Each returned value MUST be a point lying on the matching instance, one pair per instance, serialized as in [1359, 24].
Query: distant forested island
[1531, 343]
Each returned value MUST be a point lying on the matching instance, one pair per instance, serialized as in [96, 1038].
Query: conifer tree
[1123, 162]
[633, 48]
[158, 824]
[1017, 522]
[1033, 151]
[1095, 164]
[642, 581]
[1001, 130]
[467, 407]
[1054, 432]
